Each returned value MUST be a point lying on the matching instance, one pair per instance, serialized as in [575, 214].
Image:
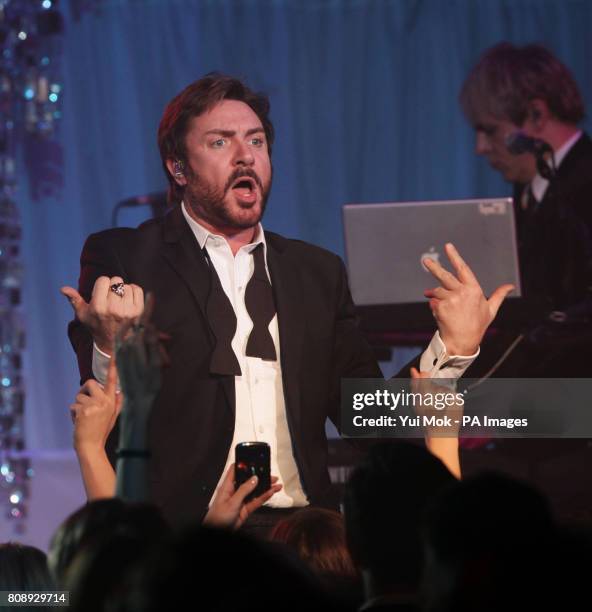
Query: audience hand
[228, 508]
[441, 441]
[140, 358]
[94, 412]
[422, 383]
[461, 310]
[106, 310]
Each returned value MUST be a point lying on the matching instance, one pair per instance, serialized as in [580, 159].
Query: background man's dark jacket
[192, 422]
[555, 253]
[555, 237]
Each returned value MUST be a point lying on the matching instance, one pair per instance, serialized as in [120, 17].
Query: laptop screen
[385, 244]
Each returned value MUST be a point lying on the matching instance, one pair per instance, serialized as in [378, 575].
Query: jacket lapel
[184, 255]
[287, 290]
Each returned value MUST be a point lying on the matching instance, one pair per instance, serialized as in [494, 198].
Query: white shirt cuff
[100, 364]
[439, 364]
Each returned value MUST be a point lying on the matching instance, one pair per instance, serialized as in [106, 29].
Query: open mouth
[245, 188]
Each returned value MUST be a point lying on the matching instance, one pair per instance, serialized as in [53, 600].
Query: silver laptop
[385, 244]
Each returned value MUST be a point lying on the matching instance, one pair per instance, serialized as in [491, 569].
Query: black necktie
[222, 318]
[528, 202]
[222, 321]
[261, 308]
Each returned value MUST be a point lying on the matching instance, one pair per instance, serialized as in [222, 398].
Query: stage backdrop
[364, 101]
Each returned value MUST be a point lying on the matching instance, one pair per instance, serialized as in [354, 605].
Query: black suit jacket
[555, 238]
[555, 252]
[192, 422]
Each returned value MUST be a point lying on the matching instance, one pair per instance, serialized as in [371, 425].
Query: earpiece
[178, 168]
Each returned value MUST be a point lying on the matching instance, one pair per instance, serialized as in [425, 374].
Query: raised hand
[107, 310]
[95, 411]
[139, 364]
[139, 357]
[443, 402]
[228, 508]
[442, 442]
[461, 310]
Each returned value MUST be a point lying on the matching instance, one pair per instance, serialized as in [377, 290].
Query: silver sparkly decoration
[14, 465]
[30, 95]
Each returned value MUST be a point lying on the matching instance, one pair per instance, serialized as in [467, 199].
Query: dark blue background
[364, 100]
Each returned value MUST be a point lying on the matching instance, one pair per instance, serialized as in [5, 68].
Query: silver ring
[118, 289]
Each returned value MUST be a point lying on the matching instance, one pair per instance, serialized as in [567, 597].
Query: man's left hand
[461, 310]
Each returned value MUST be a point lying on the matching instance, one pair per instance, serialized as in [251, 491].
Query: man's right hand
[106, 311]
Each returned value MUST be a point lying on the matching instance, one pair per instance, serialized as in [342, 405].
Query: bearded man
[262, 328]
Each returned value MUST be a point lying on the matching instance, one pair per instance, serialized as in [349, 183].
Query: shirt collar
[204, 235]
[539, 184]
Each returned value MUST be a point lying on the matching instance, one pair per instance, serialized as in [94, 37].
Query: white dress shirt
[260, 413]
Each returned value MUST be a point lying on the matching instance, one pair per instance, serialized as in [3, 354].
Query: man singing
[262, 328]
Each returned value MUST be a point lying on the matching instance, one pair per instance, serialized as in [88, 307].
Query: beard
[209, 202]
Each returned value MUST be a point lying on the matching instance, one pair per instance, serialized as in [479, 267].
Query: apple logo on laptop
[431, 254]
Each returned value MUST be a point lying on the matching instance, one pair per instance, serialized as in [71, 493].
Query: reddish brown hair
[508, 78]
[318, 537]
[195, 100]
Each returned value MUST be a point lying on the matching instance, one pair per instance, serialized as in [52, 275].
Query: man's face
[228, 177]
[491, 134]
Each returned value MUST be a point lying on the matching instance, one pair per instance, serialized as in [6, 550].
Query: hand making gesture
[461, 310]
[112, 303]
